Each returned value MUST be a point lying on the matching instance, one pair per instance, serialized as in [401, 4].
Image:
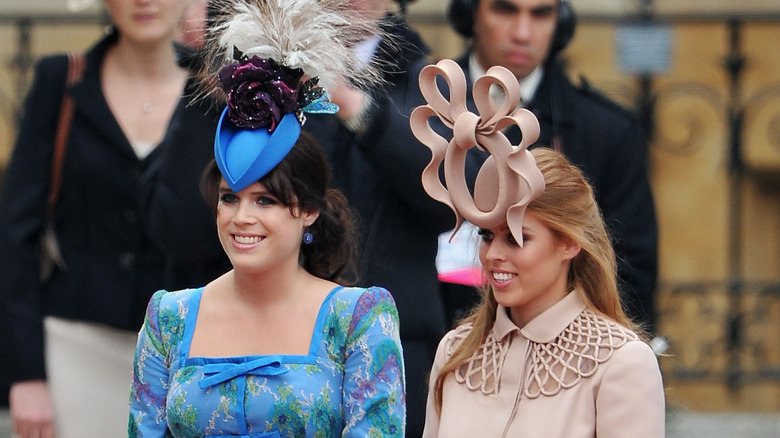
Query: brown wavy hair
[301, 181]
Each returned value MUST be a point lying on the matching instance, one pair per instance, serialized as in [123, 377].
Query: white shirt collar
[528, 85]
[365, 49]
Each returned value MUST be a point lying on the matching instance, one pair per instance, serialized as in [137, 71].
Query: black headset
[461, 16]
[402, 5]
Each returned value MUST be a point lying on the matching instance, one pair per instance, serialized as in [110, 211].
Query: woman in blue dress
[279, 346]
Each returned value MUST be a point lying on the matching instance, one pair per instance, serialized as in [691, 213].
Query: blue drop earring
[307, 236]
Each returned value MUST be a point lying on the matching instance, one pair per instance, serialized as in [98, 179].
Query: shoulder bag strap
[76, 63]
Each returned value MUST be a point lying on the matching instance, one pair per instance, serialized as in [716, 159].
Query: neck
[270, 288]
[149, 61]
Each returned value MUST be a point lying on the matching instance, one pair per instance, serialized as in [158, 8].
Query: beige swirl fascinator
[509, 179]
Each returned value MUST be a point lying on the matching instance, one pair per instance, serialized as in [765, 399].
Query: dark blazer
[114, 263]
[607, 142]
[380, 172]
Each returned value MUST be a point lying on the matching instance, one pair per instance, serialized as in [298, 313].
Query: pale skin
[141, 67]
[529, 279]
[267, 304]
[516, 34]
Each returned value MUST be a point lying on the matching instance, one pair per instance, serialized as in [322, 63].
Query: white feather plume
[313, 35]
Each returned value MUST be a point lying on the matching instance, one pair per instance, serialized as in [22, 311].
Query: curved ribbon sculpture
[509, 178]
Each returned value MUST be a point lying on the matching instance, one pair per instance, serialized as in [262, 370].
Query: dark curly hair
[302, 181]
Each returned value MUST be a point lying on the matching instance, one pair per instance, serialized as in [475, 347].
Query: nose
[522, 27]
[494, 250]
[244, 213]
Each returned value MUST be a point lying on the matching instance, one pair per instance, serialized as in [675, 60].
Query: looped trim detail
[482, 372]
[575, 354]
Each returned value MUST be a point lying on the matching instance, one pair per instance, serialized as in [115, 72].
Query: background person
[377, 162]
[130, 106]
[594, 133]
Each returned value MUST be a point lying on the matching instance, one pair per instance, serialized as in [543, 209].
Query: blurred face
[257, 232]
[146, 21]
[530, 279]
[516, 34]
[375, 9]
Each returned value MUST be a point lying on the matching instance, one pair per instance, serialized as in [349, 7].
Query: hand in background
[352, 102]
[31, 409]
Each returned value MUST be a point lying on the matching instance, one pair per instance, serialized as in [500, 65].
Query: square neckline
[190, 322]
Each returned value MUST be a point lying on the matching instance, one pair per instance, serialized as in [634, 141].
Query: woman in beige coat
[549, 351]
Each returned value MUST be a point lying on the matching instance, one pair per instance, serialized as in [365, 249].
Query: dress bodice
[351, 379]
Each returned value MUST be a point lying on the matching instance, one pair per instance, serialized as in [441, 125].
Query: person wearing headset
[603, 139]
[376, 163]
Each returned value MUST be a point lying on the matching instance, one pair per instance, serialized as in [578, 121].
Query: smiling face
[257, 231]
[528, 279]
[516, 34]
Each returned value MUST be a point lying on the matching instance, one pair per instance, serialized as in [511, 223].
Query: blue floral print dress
[351, 384]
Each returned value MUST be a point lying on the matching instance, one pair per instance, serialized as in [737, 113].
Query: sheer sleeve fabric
[151, 372]
[374, 388]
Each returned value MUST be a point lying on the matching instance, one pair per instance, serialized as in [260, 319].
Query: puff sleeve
[630, 400]
[151, 371]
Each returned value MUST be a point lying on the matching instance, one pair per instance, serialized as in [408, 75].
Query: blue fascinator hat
[246, 155]
[263, 117]
[276, 52]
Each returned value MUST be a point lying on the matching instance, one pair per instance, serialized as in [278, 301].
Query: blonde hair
[568, 208]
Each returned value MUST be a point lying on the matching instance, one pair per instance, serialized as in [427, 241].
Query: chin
[506, 297]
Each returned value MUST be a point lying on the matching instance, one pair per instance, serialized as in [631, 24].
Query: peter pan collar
[547, 325]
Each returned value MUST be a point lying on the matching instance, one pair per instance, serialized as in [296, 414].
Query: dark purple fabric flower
[260, 92]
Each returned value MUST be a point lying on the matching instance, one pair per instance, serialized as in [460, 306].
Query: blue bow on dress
[222, 372]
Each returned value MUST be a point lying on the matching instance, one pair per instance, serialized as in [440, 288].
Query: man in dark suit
[377, 163]
[603, 139]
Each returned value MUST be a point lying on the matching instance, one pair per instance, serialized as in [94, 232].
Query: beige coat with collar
[568, 373]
